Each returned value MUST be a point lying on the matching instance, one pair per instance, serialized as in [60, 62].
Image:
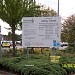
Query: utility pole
[58, 16]
[58, 8]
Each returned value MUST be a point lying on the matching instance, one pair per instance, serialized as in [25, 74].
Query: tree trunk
[13, 38]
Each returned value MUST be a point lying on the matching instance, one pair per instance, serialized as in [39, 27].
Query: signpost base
[27, 54]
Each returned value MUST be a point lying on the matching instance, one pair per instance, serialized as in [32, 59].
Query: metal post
[27, 54]
[0, 48]
[58, 7]
[58, 16]
[0, 44]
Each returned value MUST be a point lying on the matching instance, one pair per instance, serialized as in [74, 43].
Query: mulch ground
[5, 73]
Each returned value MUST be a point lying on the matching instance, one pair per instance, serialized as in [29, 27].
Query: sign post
[27, 54]
[0, 44]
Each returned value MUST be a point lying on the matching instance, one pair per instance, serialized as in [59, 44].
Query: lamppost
[58, 7]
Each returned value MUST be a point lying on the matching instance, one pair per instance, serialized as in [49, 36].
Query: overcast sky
[66, 8]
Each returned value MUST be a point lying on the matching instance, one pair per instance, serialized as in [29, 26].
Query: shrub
[34, 71]
[41, 67]
[70, 50]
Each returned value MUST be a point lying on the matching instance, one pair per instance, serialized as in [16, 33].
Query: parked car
[5, 44]
[63, 46]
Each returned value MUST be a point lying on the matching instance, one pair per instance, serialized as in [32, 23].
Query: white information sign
[41, 31]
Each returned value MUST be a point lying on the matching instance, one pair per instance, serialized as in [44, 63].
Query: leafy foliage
[69, 29]
[12, 12]
[32, 67]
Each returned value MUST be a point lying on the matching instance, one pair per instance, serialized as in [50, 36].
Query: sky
[66, 8]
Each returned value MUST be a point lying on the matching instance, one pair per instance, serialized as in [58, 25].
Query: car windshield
[5, 42]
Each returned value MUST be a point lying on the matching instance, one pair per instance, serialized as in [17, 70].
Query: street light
[58, 8]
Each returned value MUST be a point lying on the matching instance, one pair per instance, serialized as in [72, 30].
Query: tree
[64, 37]
[46, 11]
[12, 12]
[69, 29]
[17, 37]
[0, 7]
[9, 35]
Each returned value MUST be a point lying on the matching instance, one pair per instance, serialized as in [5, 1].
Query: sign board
[68, 65]
[41, 31]
[55, 59]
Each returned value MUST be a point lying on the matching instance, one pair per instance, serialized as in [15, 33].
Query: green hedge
[68, 63]
[32, 67]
